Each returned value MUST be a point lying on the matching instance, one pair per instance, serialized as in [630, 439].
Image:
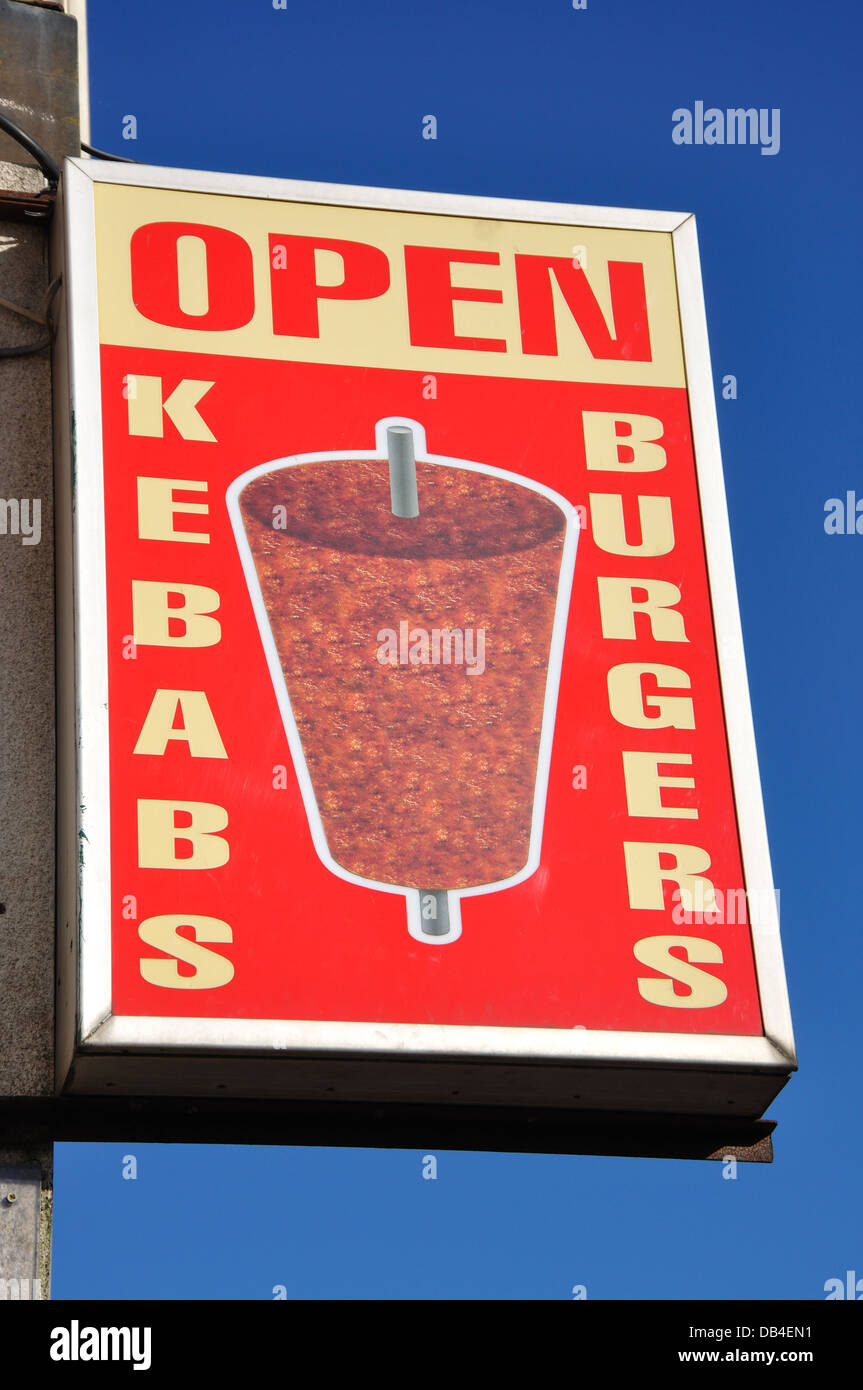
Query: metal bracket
[496, 1129]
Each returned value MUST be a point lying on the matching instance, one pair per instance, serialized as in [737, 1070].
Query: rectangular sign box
[406, 750]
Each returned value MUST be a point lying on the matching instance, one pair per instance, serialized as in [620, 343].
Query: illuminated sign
[413, 755]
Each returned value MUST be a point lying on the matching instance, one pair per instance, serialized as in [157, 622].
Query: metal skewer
[438, 923]
[403, 471]
[434, 907]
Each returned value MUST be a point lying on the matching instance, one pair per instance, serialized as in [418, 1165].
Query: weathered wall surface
[26, 677]
[39, 92]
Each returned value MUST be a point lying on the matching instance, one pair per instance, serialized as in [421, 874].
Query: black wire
[30, 348]
[25, 351]
[102, 154]
[50, 169]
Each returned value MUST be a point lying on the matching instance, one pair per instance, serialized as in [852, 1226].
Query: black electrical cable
[29, 348]
[43, 158]
[49, 168]
[103, 154]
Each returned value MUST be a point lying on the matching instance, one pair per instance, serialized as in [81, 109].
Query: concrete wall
[39, 93]
[26, 677]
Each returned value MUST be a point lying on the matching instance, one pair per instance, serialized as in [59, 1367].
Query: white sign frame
[520, 1065]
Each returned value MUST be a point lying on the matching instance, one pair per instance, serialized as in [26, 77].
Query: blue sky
[542, 101]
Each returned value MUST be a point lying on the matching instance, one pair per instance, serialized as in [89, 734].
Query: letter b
[158, 834]
[152, 616]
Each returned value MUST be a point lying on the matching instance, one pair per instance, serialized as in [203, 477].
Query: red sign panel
[414, 717]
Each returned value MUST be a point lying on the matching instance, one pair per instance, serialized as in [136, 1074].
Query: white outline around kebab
[277, 675]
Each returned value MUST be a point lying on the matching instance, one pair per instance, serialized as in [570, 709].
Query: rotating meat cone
[413, 610]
